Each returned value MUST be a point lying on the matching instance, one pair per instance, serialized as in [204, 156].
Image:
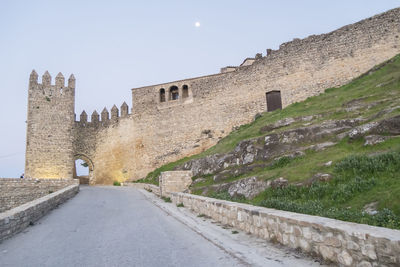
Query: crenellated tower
[50, 119]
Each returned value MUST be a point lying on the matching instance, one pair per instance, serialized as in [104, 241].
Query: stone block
[364, 264]
[174, 181]
[345, 258]
[332, 241]
[369, 251]
[327, 253]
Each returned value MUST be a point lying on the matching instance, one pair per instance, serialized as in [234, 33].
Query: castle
[181, 118]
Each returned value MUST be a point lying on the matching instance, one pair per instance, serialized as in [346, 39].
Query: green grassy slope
[374, 93]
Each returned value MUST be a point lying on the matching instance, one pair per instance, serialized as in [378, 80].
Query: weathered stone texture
[174, 181]
[49, 151]
[17, 219]
[344, 243]
[15, 192]
[158, 131]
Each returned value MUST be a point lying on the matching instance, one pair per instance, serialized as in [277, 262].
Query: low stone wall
[149, 187]
[174, 181]
[340, 242]
[15, 192]
[17, 219]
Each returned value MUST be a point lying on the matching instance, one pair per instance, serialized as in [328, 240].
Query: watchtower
[49, 139]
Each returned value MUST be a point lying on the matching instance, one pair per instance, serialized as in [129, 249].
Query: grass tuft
[166, 199]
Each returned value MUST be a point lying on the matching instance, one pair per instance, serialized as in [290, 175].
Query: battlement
[103, 120]
[378, 25]
[47, 88]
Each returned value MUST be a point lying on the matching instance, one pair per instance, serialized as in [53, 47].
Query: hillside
[335, 155]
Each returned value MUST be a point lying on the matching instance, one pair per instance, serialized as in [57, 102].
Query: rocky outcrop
[277, 125]
[389, 126]
[371, 140]
[263, 152]
[270, 146]
[362, 130]
[246, 187]
[249, 187]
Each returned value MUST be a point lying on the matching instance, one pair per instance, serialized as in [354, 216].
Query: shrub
[364, 165]
[166, 199]
[116, 183]
[281, 162]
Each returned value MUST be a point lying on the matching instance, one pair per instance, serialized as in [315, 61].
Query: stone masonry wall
[49, 150]
[15, 192]
[344, 243]
[17, 219]
[174, 181]
[156, 132]
[87, 134]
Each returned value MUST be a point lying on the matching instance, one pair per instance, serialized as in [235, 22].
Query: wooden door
[274, 100]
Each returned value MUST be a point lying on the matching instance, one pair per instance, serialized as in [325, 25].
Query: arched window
[162, 95]
[185, 91]
[173, 93]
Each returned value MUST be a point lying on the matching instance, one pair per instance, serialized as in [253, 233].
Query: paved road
[110, 226]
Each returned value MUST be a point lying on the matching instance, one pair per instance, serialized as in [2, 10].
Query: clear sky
[113, 46]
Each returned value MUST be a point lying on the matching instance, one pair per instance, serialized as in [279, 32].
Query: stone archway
[84, 179]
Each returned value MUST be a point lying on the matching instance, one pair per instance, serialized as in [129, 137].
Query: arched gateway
[89, 163]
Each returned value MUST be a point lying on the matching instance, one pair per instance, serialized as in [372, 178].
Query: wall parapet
[344, 243]
[15, 191]
[104, 118]
[17, 219]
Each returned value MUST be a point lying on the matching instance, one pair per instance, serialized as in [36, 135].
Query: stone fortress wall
[163, 127]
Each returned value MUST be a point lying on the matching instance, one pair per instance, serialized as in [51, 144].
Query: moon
[197, 24]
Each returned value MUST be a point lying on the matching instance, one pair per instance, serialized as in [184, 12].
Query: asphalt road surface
[110, 226]
[119, 226]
